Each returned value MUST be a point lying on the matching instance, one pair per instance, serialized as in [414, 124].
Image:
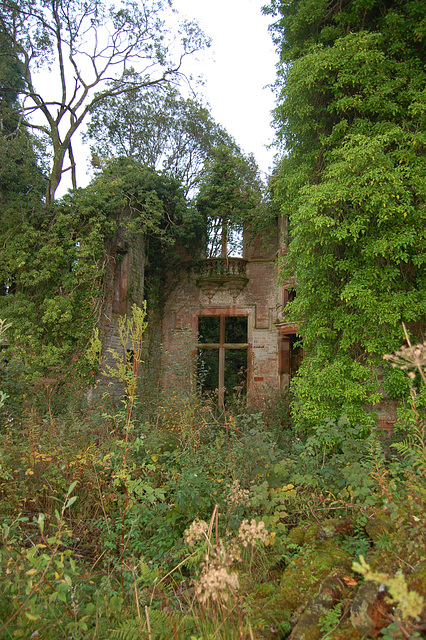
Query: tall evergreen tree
[351, 116]
[230, 195]
[20, 174]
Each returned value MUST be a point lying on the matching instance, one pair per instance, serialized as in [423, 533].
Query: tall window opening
[222, 356]
[289, 295]
[224, 238]
[290, 354]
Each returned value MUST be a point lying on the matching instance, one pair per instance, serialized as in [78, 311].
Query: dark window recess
[235, 372]
[121, 273]
[208, 369]
[236, 330]
[290, 354]
[222, 356]
[209, 330]
[288, 295]
[284, 355]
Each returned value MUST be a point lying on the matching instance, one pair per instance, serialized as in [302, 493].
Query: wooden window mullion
[222, 362]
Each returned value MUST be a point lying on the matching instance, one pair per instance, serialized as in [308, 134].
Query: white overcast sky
[237, 69]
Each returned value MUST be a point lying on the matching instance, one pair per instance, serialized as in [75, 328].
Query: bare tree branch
[87, 45]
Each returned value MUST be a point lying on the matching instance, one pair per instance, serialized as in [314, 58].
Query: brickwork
[257, 301]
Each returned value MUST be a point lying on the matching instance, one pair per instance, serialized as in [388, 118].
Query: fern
[147, 576]
[414, 447]
[331, 619]
[135, 629]
[130, 630]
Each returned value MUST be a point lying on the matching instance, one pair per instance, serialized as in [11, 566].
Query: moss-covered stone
[379, 525]
[345, 631]
[301, 578]
[311, 534]
[297, 535]
[417, 580]
[288, 597]
[308, 627]
[328, 529]
[361, 619]
[302, 597]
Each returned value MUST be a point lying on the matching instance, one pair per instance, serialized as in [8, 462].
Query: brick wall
[257, 301]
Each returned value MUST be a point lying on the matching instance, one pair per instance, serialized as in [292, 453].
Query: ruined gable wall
[257, 301]
[124, 278]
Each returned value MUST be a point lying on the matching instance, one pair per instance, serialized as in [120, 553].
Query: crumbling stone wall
[124, 286]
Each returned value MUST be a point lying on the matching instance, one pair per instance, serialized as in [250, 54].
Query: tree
[21, 177]
[59, 260]
[86, 45]
[351, 115]
[10, 76]
[230, 194]
[158, 127]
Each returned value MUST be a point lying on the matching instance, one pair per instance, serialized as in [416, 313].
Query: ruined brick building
[222, 324]
[231, 310]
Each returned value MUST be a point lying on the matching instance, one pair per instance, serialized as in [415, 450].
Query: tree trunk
[55, 173]
[73, 171]
[224, 239]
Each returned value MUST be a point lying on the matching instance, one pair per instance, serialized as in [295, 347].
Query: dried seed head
[408, 357]
[224, 555]
[215, 583]
[237, 496]
[196, 531]
[249, 533]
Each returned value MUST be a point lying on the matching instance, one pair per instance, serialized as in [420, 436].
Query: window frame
[222, 346]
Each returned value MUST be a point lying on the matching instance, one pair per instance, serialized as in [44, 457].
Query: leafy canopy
[230, 194]
[158, 127]
[351, 116]
[87, 47]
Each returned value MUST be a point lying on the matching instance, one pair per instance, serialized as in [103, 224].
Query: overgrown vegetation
[350, 117]
[159, 516]
[178, 522]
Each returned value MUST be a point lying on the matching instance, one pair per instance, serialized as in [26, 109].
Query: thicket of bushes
[171, 521]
